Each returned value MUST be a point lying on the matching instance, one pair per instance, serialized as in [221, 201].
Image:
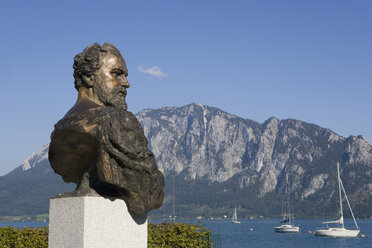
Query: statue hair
[89, 61]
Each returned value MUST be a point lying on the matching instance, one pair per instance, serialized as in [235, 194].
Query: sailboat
[286, 224]
[339, 231]
[235, 217]
[287, 227]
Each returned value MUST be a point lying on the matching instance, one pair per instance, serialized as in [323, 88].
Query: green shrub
[178, 235]
[162, 235]
[11, 237]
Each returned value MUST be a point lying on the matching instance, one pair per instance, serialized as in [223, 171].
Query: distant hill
[27, 189]
[220, 160]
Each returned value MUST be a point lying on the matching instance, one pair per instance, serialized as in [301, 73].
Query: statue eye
[117, 72]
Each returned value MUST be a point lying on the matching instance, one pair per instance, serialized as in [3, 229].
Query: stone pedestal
[94, 222]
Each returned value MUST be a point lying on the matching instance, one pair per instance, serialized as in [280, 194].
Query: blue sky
[307, 60]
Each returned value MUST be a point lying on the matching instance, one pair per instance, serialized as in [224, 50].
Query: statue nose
[125, 82]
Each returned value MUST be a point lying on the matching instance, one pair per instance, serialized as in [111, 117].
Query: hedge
[11, 237]
[178, 235]
[162, 235]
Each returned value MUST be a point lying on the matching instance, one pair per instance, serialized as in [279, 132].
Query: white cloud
[153, 71]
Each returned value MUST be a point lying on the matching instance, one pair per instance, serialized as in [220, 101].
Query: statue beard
[114, 97]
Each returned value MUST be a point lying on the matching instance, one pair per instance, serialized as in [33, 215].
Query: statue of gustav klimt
[98, 144]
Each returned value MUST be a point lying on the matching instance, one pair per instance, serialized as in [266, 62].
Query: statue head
[103, 71]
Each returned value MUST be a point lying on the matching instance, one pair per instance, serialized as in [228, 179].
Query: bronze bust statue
[98, 144]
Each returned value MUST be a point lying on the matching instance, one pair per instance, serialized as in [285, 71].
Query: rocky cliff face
[36, 158]
[198, 141]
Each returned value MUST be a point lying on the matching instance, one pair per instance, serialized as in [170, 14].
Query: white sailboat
[286, 224]
[235, 217]
[339, 231]
[287, 227]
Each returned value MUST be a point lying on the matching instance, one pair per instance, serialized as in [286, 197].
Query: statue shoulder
[124, 118]
[83, 121]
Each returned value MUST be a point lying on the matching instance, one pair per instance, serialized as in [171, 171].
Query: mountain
[26, 190]
[218, 160]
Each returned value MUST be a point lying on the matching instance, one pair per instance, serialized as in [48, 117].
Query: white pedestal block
[94, 222]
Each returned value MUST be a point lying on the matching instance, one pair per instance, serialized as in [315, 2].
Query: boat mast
[339, 190]
[347, 200]
[288, 207]
[173, 198]
[235, 216]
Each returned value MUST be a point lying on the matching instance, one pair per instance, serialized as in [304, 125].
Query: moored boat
[286, 225]
[340, 231]
[235, 217]
[287, 228]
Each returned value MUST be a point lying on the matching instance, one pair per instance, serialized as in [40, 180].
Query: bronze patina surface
[98, 144]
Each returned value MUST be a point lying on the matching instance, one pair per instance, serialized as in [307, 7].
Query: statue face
[111, 82]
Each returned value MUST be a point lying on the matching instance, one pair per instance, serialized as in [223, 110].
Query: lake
[263, 235]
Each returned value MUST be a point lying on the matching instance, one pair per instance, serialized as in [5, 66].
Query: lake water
[263, 235]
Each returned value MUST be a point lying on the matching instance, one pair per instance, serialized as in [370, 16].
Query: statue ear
[88, 81]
